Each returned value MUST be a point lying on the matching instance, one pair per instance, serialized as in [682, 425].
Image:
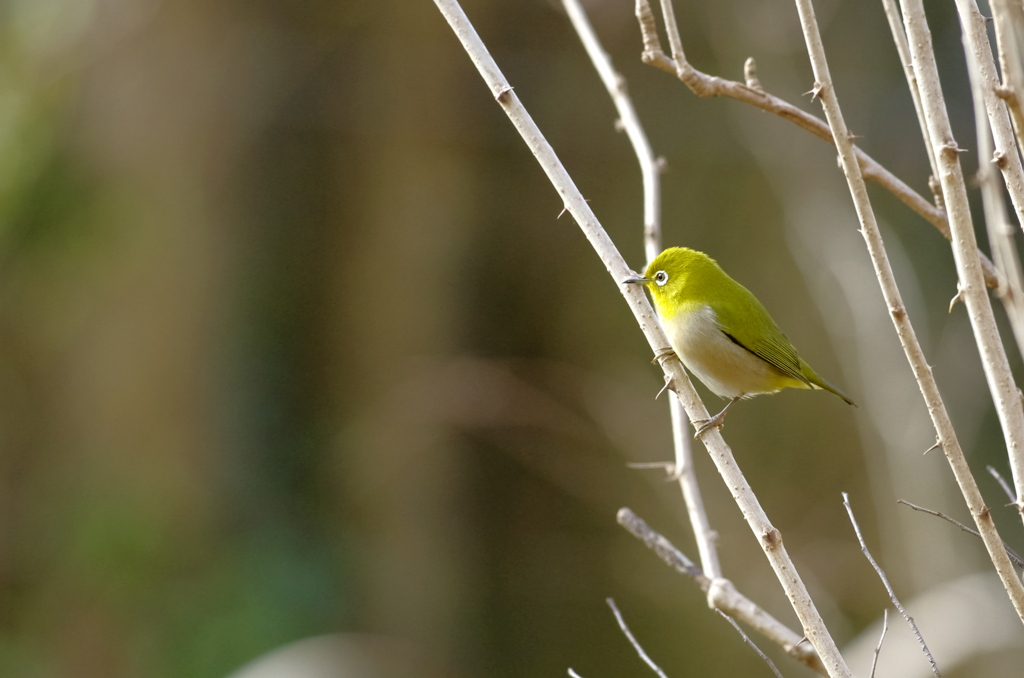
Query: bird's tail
[819, 383]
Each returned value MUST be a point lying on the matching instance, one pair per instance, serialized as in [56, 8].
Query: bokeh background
[294, 344]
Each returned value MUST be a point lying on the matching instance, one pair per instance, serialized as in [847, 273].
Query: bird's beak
[636, 279]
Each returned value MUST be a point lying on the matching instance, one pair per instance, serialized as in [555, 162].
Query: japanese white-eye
[721, 331]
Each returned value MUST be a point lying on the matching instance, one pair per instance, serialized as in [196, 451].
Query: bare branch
[748, 641]
[899, 36]
[768, 536]
[890, 291]
[630, 122]
[632, 640]
[888, 587]
[1004, 392]
[672, 556]
[705, 85]
[722, 595]
[997, 223]
[878, 648]
[651, 172]
[1002, 482]
[938, 514]
[1004, 15]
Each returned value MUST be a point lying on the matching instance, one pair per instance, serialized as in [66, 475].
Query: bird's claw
[717, 421]
[663, 353]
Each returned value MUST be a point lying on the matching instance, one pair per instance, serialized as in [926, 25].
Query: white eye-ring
[661, 278]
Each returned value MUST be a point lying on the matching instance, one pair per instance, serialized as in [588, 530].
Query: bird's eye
[661, 278]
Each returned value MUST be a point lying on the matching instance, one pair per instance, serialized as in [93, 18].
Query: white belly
[725, 367]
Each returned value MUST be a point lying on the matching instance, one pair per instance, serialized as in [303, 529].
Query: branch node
[1006, 93]
[750, 74]
[1000, 159]
[771, 538]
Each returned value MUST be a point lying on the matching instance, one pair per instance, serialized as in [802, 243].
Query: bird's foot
[717, 421]
[705, 425]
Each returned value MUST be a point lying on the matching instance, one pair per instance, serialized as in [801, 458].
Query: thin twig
[650, 169]
[1017, 560]
[878, 648]
[748, 641]
[705, 85]
[722, 595]
[899, 36]
[769, 537]
[888, 587]
[1002, 481]
[629, 635]
[672, 556]
[630, 123]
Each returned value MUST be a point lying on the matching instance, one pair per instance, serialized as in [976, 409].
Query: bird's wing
[768, 343]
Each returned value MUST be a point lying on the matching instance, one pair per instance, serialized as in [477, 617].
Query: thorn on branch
[1000, 159]
[951, 150]
[504, 95]
[816, 90]
[956, 298]
[750, 74]
[936, 446]
[668, 382]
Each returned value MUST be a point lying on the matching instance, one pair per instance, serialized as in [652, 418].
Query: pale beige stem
[722, 594]
[824, 89]
[997, 222]
[899, 37]
[768, 536]
[973, 293]
[1004, 15]
[975, 36]
[651, 175]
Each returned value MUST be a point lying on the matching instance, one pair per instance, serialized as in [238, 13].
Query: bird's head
[673, 273]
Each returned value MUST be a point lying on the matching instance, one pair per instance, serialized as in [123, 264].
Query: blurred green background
[294, 342]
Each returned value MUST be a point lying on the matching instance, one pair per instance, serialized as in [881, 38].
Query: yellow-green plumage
[721, 331]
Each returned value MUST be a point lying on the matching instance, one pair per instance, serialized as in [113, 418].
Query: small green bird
[721, 331]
